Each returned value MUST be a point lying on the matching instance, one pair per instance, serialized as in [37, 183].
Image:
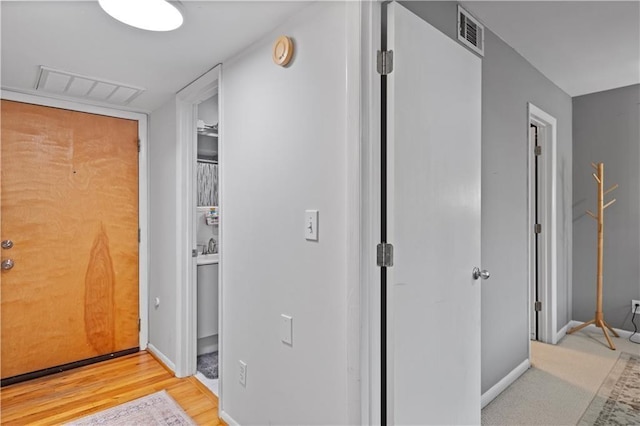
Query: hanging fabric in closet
[207, 184]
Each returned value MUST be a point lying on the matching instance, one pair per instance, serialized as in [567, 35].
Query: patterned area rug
[618, 399]
[208, 365]
[156, 409]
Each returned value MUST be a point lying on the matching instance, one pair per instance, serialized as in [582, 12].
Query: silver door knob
[7, 264]
[477, 273]
[7, 244]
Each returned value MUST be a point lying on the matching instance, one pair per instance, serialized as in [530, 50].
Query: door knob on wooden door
[7, 264]
[7, 244]
[477, 273]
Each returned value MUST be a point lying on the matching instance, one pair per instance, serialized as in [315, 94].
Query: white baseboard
[499, 387]
[623, 333]
[560, 334]
[228, 419]
[162, 357]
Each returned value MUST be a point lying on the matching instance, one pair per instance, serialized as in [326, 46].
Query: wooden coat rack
[599, 318]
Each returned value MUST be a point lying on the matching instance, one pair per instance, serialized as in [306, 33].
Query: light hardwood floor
[76, 393]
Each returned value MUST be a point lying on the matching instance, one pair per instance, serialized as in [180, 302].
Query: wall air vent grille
[470, 31]
[79, 86]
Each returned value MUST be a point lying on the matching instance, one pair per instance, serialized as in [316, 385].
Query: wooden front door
[69, 194]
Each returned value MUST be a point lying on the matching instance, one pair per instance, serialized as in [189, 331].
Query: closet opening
[207, 239]
[542, 227]
[537, 184]
[199, 233]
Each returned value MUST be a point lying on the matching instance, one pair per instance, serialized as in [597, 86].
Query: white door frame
[187, 101]
[370, 219]
[548, 292]
[143, 217]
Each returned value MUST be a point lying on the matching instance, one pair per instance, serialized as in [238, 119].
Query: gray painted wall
[508, 83]
[162, 225]
[606, 128]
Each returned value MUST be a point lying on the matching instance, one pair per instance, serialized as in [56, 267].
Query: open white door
[433, 222]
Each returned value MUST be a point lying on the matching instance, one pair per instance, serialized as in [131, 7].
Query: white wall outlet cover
[243, 373]
[286, 329]
[311, 225]
[633, 306]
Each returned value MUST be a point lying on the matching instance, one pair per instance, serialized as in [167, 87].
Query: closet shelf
[208, 133]
[208, 259]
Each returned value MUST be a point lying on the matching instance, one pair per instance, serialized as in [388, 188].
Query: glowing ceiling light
[151, 15]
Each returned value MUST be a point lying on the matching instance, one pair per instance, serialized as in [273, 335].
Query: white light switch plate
[286, 329]
[311, 225]
[243, 373]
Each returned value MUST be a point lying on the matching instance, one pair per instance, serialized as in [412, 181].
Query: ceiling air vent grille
[470, 31]
[80, 86]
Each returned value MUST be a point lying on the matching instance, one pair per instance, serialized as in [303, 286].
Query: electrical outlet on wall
[635, 303]
[286, 329]
[243, 373]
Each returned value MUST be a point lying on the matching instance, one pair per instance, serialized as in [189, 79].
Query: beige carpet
[155, 409]
[560, 385]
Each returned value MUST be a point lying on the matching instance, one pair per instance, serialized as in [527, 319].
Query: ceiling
[582, 46]
[77, 36]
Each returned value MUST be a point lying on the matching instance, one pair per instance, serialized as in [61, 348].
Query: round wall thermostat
[282, 50]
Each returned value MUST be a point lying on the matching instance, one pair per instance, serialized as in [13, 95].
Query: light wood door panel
[70, 205]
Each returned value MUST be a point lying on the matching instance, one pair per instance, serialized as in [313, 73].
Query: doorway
[542, 235]
[65, 166]
[536, 142]
[207, 241]
[199, 236]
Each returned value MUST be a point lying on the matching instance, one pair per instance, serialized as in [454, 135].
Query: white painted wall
[162, 225]
[284, 149]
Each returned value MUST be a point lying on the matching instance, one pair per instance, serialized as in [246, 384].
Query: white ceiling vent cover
[80, 86]
[470, 31]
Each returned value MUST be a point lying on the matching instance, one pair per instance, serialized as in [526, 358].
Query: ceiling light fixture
[151, 15]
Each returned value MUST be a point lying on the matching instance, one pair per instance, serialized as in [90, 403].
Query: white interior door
[433, 154]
